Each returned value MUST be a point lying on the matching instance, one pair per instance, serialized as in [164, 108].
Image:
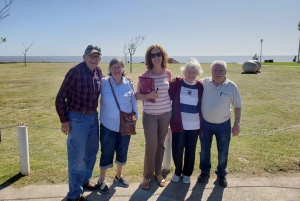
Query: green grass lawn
[269, 141]
[281, 64]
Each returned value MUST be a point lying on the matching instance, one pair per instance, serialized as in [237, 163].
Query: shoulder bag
[127, 120]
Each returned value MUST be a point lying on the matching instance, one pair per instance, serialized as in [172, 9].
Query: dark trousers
[184, 143]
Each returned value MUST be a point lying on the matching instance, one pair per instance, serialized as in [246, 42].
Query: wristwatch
[237, 123]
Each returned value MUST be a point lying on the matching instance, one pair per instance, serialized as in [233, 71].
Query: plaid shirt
[79, 91]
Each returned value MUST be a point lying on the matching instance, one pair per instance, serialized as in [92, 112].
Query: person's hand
[130, 79]
[235, 130]
[174, 78]
[152, 94]
[65, 128]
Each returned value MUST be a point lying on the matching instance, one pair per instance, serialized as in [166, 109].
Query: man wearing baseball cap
[76, 105]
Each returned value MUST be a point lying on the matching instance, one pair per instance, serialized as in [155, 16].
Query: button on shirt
[79, 91]
[109, 112]
[217, 100]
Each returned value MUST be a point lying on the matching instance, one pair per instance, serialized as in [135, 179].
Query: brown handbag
[127, 120]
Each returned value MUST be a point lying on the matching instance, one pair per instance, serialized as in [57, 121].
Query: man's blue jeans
[83, 146]
[112, 142]
[223, 134]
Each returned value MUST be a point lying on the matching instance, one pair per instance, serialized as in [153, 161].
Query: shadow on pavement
[11, 181]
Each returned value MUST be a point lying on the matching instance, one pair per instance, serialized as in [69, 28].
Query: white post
[167, 155]
[23, 150]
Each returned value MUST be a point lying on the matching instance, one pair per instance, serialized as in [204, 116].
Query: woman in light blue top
[111, 139]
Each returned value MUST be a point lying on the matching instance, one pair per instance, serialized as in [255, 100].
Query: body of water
[140, 59]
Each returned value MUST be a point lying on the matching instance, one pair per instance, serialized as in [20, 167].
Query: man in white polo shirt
[218, 96]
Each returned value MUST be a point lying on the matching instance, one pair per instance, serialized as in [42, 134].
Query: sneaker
[124, 182]
[175, 178]
[203, 178]
[222, 181]
[186, 179]
[103, 188]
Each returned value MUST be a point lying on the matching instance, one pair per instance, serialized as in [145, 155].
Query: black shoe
[203, 178]
[80, 198]
[104, 188]
[91, 186]
[222, 181]
[124, 182]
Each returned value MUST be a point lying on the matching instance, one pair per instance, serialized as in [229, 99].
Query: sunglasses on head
[158, 54]
[93, 47]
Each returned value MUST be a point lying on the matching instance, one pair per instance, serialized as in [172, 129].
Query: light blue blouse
[109, 112]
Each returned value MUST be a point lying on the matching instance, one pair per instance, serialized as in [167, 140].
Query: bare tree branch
[4, 12]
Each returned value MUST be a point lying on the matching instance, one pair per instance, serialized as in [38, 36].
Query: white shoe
[175, 178]
[186, 179]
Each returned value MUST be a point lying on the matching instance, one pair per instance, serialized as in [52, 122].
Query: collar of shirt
[211, 80]
[86, 68]
[124, 80]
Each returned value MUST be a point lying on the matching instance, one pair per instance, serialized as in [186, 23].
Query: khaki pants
[155, 130]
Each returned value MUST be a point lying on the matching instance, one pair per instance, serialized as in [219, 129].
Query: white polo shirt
[217, 100]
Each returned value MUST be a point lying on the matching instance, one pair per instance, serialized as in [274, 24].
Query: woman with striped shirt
[156, 114]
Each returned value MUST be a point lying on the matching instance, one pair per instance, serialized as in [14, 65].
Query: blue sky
[183, 28]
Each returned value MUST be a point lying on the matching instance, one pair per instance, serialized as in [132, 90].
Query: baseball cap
[92, 49]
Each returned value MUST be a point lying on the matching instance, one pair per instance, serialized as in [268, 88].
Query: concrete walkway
[239, 188]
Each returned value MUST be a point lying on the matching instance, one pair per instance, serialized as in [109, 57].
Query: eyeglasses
[94, 47]
[158, 54]
[116, 68]
[94, 57]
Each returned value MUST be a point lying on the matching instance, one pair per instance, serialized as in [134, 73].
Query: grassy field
[281, 64]
[269, 141]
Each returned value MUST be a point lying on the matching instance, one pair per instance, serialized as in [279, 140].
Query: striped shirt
[162, 102]
[188, 106]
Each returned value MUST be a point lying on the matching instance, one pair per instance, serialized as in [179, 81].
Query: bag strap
[114, 94]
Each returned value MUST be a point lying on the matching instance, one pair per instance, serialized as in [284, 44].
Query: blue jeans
[82, 146]
[112, 142]
[223, 134]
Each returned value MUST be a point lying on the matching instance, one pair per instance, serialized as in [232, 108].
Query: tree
[4, 12]
[132, 46]
[299, 43]
[25, 51]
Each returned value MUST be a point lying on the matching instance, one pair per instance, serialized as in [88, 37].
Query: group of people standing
[192, 108]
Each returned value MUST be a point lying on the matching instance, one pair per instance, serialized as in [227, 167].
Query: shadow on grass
[11, 181]
[254, 73]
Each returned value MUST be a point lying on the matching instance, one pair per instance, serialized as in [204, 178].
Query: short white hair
[219, 62]
[192, 64]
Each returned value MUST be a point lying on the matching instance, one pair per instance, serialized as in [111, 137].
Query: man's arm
[61, 104]
[237, 119]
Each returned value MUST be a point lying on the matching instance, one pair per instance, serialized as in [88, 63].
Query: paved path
[285, 188]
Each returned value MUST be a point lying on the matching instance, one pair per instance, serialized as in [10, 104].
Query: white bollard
[23, 150]
[167, 155]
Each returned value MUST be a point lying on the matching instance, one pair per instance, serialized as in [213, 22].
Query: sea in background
[140, 59]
